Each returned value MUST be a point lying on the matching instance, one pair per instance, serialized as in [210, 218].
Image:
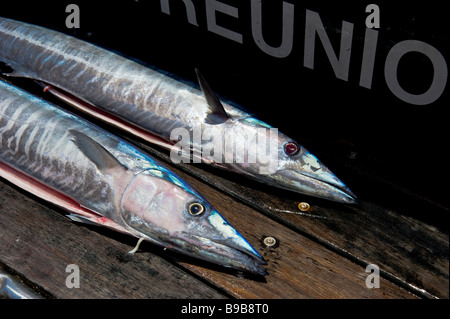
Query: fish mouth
[224, 252]
[322, 183]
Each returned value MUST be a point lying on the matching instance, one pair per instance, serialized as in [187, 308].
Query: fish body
[102, 179]
[166, 107]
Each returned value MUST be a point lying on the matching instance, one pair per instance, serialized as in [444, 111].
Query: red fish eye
[291, 148]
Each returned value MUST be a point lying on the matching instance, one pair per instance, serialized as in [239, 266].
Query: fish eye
[196, 209]
[291, 148]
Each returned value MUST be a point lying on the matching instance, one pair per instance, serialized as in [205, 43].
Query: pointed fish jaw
[322, 183]
[221, 244]
[307, 175]
[225, 254]
[231, 235]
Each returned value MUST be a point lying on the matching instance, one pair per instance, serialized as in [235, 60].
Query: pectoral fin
[99, 155]
[216, 112]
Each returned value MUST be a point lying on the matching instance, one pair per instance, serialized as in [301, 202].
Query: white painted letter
[314, 25]
[368, 60]
[437, 86]
[213, 6]
[287, 32]
[190, 10]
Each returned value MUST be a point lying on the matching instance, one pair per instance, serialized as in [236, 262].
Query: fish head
[276, 159]
[177, 217]
[301, 171]
[255, 148]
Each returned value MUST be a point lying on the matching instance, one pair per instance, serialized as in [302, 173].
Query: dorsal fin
[216, 114]
[12, 70]
[103, 159]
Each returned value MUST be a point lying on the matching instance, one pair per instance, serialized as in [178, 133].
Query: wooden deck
[322, 253]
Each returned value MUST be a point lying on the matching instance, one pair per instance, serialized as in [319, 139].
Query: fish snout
[320, 183]
[216, 241]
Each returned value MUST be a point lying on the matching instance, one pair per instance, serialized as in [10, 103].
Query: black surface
[369, 137]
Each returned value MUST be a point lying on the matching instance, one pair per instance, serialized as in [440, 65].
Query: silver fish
[11, 288]
[156, 106]
[104, 180]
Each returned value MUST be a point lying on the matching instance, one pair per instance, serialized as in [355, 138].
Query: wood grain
[410, 252]
[298, 267]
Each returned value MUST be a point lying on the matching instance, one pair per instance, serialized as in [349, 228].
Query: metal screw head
[269, 241]
[304, 207]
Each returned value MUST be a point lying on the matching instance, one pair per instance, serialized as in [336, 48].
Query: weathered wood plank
[298, 266]
[409, 251]
[39, 243]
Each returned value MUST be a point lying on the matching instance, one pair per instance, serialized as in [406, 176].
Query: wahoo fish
[103, 180]
[164, 110]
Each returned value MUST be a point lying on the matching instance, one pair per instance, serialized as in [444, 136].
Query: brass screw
[269, 241]
[304, 207]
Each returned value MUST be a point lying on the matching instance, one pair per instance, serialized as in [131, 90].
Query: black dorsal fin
[216, 114]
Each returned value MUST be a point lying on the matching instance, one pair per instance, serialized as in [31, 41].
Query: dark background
[381, 146]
